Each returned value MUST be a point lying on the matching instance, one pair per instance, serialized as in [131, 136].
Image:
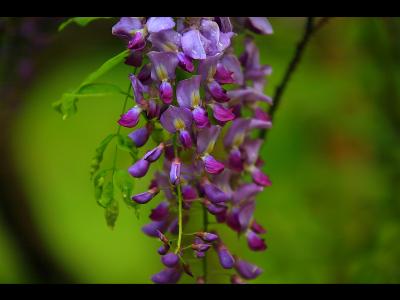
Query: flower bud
[225, 257]
[130, 118]
[185, 138]
[145, 197]
[185, 62]
[200, 117]
[217, 92]
[139, 169]
[175, 172]
[207, 237]
[254, 242]
[140, 136]
[211, 165]
[166, 92]
[154, 154]
[170, 260]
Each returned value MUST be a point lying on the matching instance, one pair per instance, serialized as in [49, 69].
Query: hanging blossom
[218, 90]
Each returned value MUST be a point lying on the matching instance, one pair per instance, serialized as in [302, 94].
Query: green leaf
[111, 214]
[126, 144]
[98, 183]
[107, 66]
[81, 21]
[67, 104]
[107, 196]
[98, 90]
[98, 157]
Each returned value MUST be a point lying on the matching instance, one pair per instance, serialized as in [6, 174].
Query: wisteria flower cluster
[190, 83]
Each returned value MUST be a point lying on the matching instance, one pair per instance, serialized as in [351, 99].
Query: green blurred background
[332, 213]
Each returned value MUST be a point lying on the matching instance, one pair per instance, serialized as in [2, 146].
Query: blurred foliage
[333, 155]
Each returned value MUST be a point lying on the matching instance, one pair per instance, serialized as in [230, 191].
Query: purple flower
[188, 192]
[235, 160]
[156, 24]
[170, 260]
[217, 92]
[201, 247]
[185, 138]
[215, 209]
[246, 269]
[259, 25]
[126, 27]
[139, 168]
[163, 70]
[225, 257]
[176, 119]
[207, 138]
[211, 165]
[154, 154]
[246, 191]
[140, 136]
[192, 44]
[257, 228]
[247, 95]
[223, 114]
[207, 236]
[175, 172]
[131, 117]
[167, 276]
[161, 212]
[163, 249]
[215, 194]
[255, 242]
[187, 92]
[146, 196]
[185, 62]
[223, 75]
[260, 178]
[200, 117]
[216, 42]
[152, 229]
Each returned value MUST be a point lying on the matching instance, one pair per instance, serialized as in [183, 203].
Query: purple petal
[176, 118]
[206, 138]
[167, 276]
[223, 114]
[208, 67]
[215, 194]
[232, 219]
[188, 192]
[170, 260]
[152, 229]
[154, 154]
[254, 242]
[145, 197]
[224, 24]
[246, 191]
[207, 236]
[231, 63]
[252, 149]
[247, 270]
[156, 24]
[223, 75]
[137, 42]
[185, 138]
[126, 26]
[187, 92]
[192, 44]
[130, 118]
[216, 209]
[163, 249]
[175, 172]
[235, 160]
[135, 58]
[247, 95]
[236, 133]
[211, 165]
[163, 65]
[161, 212]
[225, 257]
[246, 214]
[139, 169]
[140, 136]
[260, 25]
[166, 40]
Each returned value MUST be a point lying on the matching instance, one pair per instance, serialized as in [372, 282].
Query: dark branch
[310, 28]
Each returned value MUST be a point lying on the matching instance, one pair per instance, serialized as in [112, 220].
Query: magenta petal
[235, 160]
[254, 242]
[185, 62]
[223, 75]
[211, 165]
[223, 114]
[200, 117]
[260, 178]
[139, 169]
[185, 138]
[130, 118]
[166, 92]
[217, 92]
[257, 228]
[137, 42]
